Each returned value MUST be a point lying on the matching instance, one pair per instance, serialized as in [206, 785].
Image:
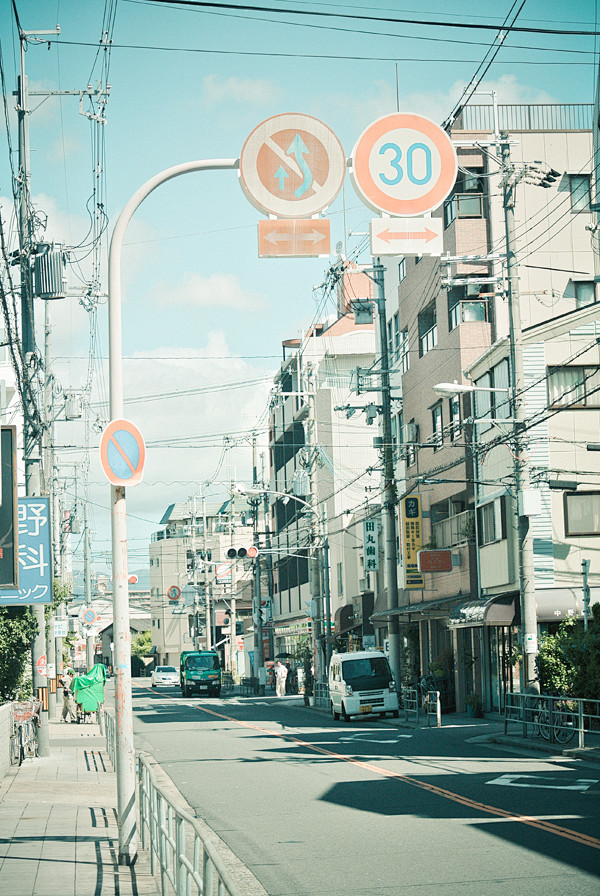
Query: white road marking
[543, 783]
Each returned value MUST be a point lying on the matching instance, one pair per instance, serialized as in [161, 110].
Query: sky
[201, 310]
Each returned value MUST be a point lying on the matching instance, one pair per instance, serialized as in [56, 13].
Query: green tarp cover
[88, 690]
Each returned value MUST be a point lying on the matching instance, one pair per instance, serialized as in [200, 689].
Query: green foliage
[569, 661]
[18, 628]
[142, 645]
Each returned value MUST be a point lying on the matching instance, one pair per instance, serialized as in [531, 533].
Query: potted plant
[474, 705]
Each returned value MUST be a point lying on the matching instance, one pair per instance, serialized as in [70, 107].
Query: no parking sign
[122, 453]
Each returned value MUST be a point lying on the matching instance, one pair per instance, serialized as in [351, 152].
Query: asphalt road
[321, 808]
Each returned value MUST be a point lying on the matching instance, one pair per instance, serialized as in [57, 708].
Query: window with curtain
[574, 386]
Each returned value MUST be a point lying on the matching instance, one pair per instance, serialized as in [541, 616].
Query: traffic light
[241, 553]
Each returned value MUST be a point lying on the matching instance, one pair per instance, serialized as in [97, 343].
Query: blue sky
[192, 84]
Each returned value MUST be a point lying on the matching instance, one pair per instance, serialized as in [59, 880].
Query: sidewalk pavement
[58, 823]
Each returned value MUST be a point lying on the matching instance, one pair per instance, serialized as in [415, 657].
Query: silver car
[167, 675]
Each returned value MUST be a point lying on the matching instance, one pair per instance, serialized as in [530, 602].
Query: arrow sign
[293, 237]
[407, 236]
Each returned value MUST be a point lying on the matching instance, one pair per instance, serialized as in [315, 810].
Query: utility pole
[31, 418]
[315, 565]
[87, 579]
[258, 631]
[529, 641]
[390, 497]
[585, 568]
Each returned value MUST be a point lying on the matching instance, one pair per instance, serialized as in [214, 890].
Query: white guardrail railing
[185, 861]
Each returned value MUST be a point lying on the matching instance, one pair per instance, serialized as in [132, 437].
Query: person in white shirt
[280, 677]
[68, 701]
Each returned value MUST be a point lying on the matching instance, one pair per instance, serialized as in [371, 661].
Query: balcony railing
[454, 530]
[525, 117]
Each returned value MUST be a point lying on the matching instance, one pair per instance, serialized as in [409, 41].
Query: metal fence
[186, 861]
[322, 694]
[560, 720]
[528, 117]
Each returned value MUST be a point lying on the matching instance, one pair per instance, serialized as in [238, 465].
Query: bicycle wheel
[31, 743]
[543, 721]
[15, 749]
[565, 725]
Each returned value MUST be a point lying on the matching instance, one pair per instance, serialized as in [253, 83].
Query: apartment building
[199, 597]
[323, 474]
[444, 314]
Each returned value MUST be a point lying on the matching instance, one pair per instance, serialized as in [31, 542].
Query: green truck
[200, 670]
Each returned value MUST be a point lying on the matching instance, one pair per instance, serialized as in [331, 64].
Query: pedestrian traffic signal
[240, 553]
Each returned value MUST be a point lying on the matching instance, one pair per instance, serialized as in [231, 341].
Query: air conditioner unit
[410, 432]
[473, 290]
[363, 584]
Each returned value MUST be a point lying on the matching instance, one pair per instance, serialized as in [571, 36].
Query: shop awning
[344, 620]
[490, 611]
[411, 609]
[556, 604]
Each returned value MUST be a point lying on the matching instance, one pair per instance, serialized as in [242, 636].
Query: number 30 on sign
[404, 165]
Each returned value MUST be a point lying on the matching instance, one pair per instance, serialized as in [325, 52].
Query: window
[492, 521]
[396, 322]
[495, 405]
[401, 270]
[404, 356]
[465, 305]
[340, 578]
[574, 386]
[427, 330]
[437, 425]
[454, 414]
[467, 199]
[410, 436]
[390, 340]
[483, 401]
[585, 293]
[582, 513]
[580, 192]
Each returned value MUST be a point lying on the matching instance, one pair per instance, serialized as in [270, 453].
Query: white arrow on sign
[407, 236]
[541, 782]
[315, 236]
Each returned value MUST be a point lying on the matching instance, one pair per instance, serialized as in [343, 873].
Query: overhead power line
[344, 14]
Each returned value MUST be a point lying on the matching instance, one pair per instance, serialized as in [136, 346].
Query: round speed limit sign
[404, 165]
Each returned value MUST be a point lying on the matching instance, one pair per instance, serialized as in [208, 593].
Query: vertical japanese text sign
[412, 541]
[371, 545]
[35, 554]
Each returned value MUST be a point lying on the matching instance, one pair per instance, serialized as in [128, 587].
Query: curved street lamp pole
[125, 752]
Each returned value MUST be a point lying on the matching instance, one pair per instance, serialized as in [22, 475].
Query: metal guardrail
[556, 719]
[186, 861]
[322, 694]
[410, 702]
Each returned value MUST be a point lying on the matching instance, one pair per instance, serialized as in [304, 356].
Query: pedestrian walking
[280, 677]
[68, 701]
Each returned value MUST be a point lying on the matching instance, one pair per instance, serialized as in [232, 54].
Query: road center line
[530, 821]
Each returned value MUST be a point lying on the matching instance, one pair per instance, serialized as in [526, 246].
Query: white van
[361, 683]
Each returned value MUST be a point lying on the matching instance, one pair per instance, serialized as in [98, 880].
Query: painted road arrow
[546, 783]
[298, 237]
[406, 236]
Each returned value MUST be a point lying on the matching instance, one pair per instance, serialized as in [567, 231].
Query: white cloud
[215, 291]
[253, 91]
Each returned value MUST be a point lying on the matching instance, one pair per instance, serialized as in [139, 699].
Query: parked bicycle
[23, 735]
[555, 719]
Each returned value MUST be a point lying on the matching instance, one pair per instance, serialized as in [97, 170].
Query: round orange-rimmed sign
[122, 453]
[404, 165]
[292, 166]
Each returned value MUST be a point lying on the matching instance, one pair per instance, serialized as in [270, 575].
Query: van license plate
[366, 709]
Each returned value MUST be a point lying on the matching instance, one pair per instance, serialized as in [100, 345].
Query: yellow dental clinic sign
[411, 527]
